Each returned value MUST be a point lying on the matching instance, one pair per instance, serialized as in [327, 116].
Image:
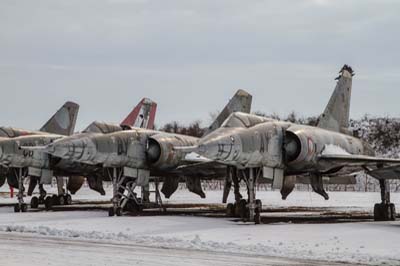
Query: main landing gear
[385, 211]
[48, 201]
[21, 174]
[124, 196]
[248, 210]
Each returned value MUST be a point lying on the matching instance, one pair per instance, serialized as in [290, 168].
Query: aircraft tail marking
[337, 113]
[63, 121]
[143, 115]
[241, 102]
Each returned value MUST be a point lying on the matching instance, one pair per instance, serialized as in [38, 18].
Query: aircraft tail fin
[337, 113]
[143, 115]
[63, 121]
[241, 102]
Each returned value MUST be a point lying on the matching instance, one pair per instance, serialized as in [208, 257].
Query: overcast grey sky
[191, 56]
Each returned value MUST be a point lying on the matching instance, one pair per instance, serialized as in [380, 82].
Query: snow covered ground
[365, 243]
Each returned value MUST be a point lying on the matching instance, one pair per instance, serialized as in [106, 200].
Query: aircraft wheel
[68, 200]
[17, 208]
[48, 203]
[55, 200]
[257, 218]
[111, 212]
[384, 212]
[243, 209]
[41, 200]
[34, 202]
[24, 207]
[378, 212]
[230, 210]
[61, 200]
[118, 212]
[259, 204]
[393, 215]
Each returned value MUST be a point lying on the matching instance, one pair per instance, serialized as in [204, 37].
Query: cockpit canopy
[9, 132]
[104, 128]
[244, 120]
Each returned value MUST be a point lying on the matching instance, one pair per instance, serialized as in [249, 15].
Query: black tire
[118, 212]
[259, 204]
[243, 211]
[384, 212]
[68, 199]
[35, 202]
[61, 200]
[41, 200]
[393, 214]
[17, 208]
[111, 212]
[55, 200]
[48, 203]
[230, 210]
[257, 218]
[24, 207]
[237, 209]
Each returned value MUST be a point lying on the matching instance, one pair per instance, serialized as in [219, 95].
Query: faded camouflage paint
[122, 149]
[12, 156]
[136, 148]
[102, 128]
[277, 144]
[142, 149]
[248, 141]
[10, 132]
[64, 120]
[142, 116]
[241, 102]
[336, 116]
[61, 123]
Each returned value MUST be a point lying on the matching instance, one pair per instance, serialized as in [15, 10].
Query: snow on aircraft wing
[384, 168]
[356, 160]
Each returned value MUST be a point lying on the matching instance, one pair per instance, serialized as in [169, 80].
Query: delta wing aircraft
[40, 167]
[132, 156]
[277, 151]
[62, 123]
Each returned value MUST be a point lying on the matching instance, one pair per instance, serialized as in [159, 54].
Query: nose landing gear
[248, 210]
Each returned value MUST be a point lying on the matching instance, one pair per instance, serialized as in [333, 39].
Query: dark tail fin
[63, 121]
[241, 102]
[143, 115]
[337, 113]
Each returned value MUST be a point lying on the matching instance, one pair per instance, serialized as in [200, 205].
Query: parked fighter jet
[132, 156]
[40, 167]
[278, 150]
[62, 122]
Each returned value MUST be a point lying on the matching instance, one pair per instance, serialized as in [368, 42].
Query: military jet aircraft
[40, 167]
[132, 156]
[62, 122]
[277, 151]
